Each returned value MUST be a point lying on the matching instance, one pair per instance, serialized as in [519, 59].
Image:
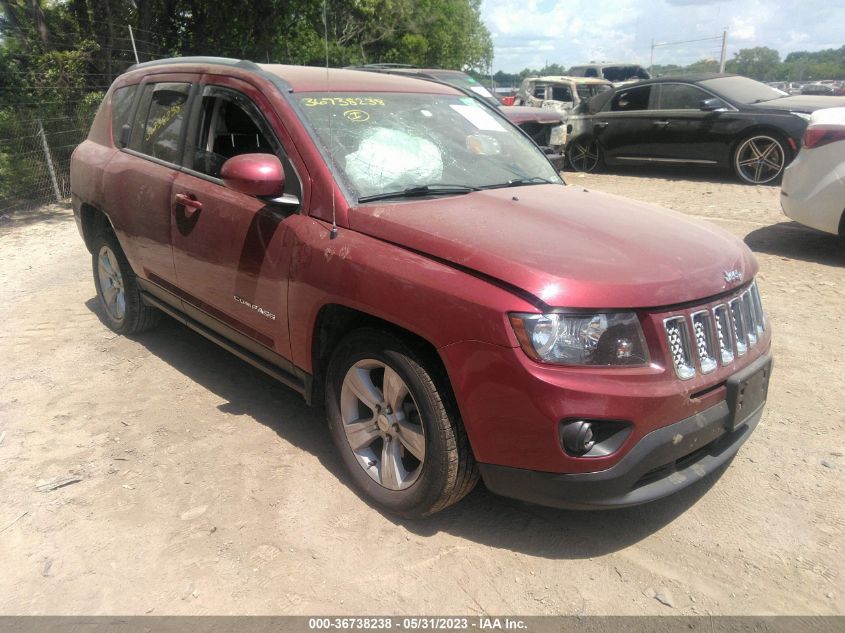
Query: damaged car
[560, 93]
[403, 255]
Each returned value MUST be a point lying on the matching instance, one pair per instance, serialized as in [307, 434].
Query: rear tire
[394, 421]
[121, 306]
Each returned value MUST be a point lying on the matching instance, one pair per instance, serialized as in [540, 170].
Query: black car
[818, 89]
[720, 120]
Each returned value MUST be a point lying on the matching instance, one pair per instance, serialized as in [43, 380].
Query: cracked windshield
[390, 142]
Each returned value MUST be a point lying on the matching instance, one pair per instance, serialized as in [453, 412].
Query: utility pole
[724, 51]
[651, 58]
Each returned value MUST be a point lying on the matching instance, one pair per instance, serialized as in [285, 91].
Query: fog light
[578, 437]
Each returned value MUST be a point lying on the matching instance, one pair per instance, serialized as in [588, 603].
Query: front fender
[437, 302]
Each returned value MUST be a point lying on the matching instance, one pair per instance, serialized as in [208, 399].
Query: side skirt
[282, 370]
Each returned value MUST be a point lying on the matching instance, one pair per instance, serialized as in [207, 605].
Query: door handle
[189, 201]
[661, 123]
[601, 124]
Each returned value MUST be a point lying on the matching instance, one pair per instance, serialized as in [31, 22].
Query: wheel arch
[334, 321]
[93, 221]
[771, 130]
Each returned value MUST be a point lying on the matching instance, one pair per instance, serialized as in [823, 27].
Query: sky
[531, 33]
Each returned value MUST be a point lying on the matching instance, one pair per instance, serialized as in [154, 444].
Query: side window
[591, 72]
[539, 92]
[561, 93]
[680, 97]
[121, 108]
[229, 126]
[158, 121]
[631, 100]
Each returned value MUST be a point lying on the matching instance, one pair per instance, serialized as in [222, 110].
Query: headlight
[558, 136]
[613, 338]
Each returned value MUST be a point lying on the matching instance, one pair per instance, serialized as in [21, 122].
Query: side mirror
[712, 105]
[254, 174]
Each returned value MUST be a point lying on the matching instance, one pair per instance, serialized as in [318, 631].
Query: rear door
[139, 176]
[229, 250]
[624, 128]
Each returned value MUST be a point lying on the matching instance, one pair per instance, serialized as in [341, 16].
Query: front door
[229, 249]
[685, 132]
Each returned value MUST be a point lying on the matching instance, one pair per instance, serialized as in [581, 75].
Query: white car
[813, 188]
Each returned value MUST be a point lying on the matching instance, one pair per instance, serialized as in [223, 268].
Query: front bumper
[556, 157]
[663, 462]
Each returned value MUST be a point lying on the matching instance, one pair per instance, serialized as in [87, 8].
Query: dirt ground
[202, 487]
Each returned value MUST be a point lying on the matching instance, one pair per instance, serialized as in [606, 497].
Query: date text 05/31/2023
[416, 623]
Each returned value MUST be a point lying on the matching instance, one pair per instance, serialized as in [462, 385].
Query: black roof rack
[220, 61]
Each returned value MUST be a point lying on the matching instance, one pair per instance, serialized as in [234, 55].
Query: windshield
[389, 142]
[742, 89]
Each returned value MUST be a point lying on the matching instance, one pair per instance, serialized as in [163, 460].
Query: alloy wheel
[111, 284]
[584, 155]
[382, 424]
[759, 159]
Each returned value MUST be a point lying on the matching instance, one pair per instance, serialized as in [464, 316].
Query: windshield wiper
[420, 191]
[518, 182]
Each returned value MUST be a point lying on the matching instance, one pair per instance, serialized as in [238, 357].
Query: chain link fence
[35, 161]
[48, 99]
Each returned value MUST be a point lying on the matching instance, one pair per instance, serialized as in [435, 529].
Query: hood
[802, 103]
[567, 246]
[523, 114]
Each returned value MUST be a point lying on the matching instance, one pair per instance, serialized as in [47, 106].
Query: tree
[761, 63]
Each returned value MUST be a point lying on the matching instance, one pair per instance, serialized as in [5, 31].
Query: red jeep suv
[406, 255]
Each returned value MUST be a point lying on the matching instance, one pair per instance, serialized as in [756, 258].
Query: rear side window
[681, 97]
[158, 120]
[121, 108]
[631, 100]
[561, 93]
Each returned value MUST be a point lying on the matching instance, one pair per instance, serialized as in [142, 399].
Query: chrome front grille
[703, 330]
[705, 337]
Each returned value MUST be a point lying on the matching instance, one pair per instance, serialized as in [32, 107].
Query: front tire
[393, 419]
[121, 306]
[584, 155]
[760, 159]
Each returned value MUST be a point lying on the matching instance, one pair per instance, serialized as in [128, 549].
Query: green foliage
[825, 64]
[57, 57]
[759, 63]
[764, 64]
